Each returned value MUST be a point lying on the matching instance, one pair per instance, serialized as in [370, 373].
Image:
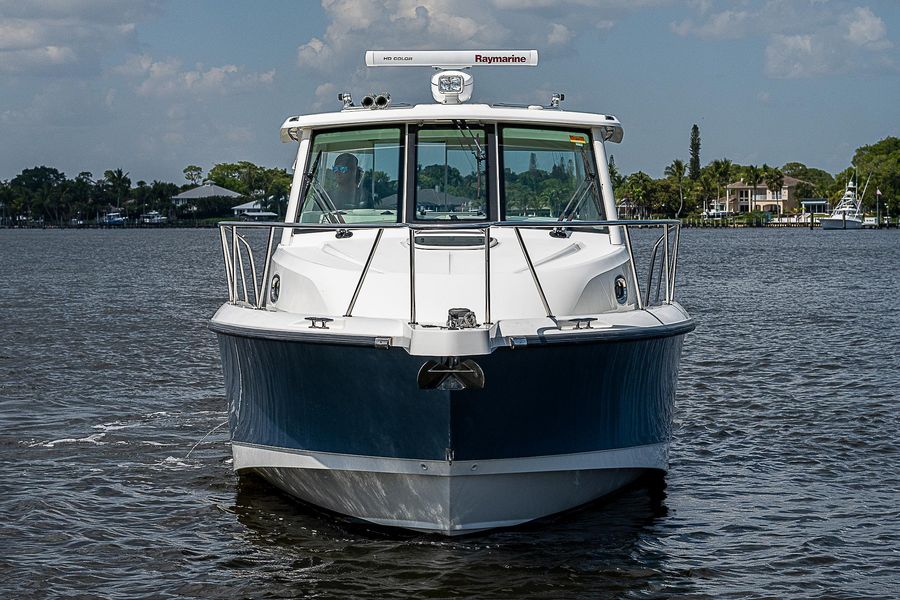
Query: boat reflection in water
[447, 333]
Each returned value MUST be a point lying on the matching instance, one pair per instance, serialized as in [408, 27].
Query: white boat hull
[832, 223]
[450, 498]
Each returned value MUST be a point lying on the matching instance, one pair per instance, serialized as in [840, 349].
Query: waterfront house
[207, 190]
[627, 209]
[246, 207]
[740, 197]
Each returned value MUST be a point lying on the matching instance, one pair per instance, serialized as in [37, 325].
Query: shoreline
[687, 223]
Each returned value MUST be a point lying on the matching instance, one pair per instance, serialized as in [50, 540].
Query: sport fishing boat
[447, 333]
[112, 218]
[848, 213]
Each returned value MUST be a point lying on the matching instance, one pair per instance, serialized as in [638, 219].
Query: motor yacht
[448, 332]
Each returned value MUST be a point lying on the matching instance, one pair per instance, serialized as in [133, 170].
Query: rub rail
[235, 246]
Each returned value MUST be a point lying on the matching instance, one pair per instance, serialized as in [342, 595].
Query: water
[116, 482]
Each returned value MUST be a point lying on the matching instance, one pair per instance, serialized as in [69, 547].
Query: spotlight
[382, 100]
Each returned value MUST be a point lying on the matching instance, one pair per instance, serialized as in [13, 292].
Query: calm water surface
[116, 482]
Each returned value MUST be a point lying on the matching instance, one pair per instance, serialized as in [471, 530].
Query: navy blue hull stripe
[537, 401]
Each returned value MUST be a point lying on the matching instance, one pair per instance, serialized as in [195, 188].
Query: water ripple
[116, 470]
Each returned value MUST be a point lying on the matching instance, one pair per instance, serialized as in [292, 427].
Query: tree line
[687, 189]
[45, 195]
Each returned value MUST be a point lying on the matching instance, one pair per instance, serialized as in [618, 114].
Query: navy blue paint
[348, 399]
[552, 399]
[571, 398]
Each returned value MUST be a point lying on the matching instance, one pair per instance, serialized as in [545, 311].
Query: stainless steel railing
[236, 247]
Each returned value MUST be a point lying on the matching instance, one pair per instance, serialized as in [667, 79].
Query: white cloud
[802, 40]
[727, 24]
[66, 37]
[31, 59]
[167, 78]
[313, 53]
[559, 34]
[326, 90]
[549, 25]
[865, 29]
[412, 24]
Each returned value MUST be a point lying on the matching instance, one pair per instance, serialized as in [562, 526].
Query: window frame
[490, 199]
[401, 162]
[501, 168]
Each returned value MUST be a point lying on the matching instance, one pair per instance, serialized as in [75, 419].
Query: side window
[353, 177]
[451, 180]
[549, 174]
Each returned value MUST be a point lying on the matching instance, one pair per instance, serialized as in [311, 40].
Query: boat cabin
[381, 162]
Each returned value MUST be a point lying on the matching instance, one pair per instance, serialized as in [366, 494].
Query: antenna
[451, 86]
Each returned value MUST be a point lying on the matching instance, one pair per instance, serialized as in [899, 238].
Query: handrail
[424, 226]
[234, 263]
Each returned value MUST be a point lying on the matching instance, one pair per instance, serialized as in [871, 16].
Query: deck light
[556, 98]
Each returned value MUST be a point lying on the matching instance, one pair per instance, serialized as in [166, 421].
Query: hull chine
[449, 498]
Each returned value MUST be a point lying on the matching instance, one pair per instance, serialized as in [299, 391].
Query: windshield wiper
[463, 127]
[588, 184]
[478, 152]
[320, 194]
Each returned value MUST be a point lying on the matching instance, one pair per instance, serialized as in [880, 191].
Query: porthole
[621, 287]
[275, 289]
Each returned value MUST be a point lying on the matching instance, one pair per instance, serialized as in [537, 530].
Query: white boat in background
[154, 218]
[418, 344]
[848, 213]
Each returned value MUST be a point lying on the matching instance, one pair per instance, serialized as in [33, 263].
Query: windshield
[549, 174]
[451, 182]
[353, 177]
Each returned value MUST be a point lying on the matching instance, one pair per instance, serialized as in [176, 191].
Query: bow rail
[239, 255]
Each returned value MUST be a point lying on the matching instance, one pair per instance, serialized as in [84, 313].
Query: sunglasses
[340, 169]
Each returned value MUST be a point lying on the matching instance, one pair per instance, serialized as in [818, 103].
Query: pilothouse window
[451, 181]
[549, 173]
[353, 177]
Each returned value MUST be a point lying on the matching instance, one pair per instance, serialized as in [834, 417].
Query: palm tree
[119, 184]
[753, 178]
[706, 185]
[675, 171]
[775, 181]
[637, 185]
[721, 168]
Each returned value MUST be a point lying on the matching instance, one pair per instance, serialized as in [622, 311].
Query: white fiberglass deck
[319, 273]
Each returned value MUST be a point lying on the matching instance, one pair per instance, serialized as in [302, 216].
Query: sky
[151, 86]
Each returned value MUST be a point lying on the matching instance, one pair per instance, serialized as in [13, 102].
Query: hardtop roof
[433, 113]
